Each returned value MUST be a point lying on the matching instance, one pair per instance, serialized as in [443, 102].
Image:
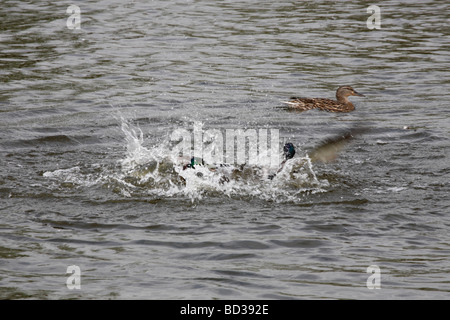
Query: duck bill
[358, 94]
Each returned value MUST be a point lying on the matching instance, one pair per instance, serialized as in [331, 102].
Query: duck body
[342, 104]
[240, 171]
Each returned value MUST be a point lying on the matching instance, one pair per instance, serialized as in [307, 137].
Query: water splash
[155, 172]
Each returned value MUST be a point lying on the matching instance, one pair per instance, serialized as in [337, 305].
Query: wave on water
[158, 172]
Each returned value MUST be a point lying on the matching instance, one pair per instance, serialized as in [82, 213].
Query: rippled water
[86, 122]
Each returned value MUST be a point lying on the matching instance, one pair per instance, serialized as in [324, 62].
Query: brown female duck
[341, 105]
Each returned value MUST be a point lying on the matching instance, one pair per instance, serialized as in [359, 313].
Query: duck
[288, 152]
[342, 104]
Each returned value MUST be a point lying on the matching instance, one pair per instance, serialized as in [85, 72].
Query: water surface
[74, 188]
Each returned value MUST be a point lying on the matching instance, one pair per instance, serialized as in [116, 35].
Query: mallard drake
[341, 105]
[288, 151]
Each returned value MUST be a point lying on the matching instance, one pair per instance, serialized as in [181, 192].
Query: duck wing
[329, 149]
[314, 103]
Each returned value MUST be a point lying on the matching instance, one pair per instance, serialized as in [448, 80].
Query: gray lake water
[87, 116]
